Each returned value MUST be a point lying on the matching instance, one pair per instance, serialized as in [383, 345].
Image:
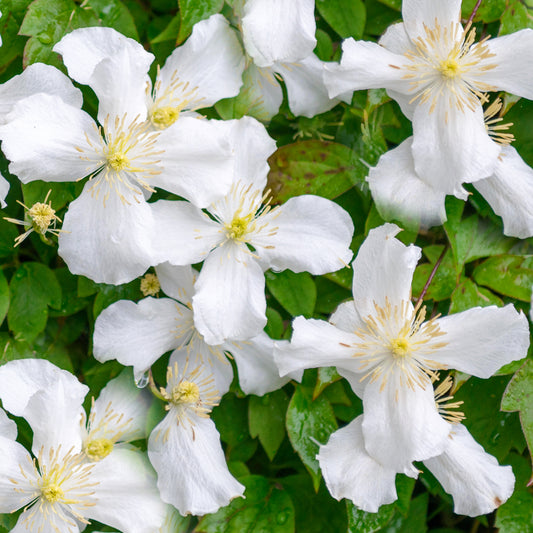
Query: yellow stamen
[186, 392]
[52, 492]
[450, 68]
[400, 347]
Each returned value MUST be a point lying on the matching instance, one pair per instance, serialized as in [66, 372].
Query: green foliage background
[270, 441]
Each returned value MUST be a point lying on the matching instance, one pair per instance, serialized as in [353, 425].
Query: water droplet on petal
[142, 381]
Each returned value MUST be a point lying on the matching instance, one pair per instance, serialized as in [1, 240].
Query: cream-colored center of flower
[450, 68]
[163, 117]
[150, 285]
[42, 216]
[400, 347]
[118, 160]
[99, 449]
[52, 492]
[186, 392]
[238, 227]
[396, 341]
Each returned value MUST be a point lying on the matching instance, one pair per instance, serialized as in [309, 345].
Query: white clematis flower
[64, 487]
[185, 447]
[474, 478]
[279, 39]
[437, 72]
[381, 344]
[240, 236]
[107, 230]
[137, 334]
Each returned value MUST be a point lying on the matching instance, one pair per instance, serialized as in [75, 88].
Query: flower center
[118, 160]
[42, 216]
[186, 392]
[238, 227]
[163, 117]
[52, 492]
[396, 341]
[450, 68]
[150, 285]
[98, 449]
[400, 348]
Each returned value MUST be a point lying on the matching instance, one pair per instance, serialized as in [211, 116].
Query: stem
[431, 276]
[153, 386]
[470, 20]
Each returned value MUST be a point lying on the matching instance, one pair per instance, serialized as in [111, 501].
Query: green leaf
[329, 295]
[60, 193]
[472, 238]
[274, 328]
[489, 10]
[70, 302]
[518, 396]
[314, 167]
[109, 294]
[266, 508]
[192, 11]
[33, 288]
[467, 295]
[266, 420]
[326, 376]
[11, 349]
[8, 234]
[46, 22]
[114, 14]
[315, 512]
[170, 33]
[511, 275]
[308, 423]
[346, 17]
[231, 419]
[4, 296]
[515, 18]
[295, 292]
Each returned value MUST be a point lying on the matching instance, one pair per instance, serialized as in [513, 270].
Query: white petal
[192, 471]
[396, 40]
[351, 473]
[313, 234]
[451, 146]
[15, 464]
[21, 379]
[472, 476]
[346, 317]
[4, 189]
[420, 13]
[401, 424]
[258, 372]
[276, 30]
[184, 235]
[400, 194]
[8, 428]
[56, 416]
[366, 65]
[316, 343]
[481, 340]
[509, 191]
[127, 497]
[122, 408]
[213, 358]
[306, 91]
[263, 90]
[177, 281]
[513, 71]
[230, 295]
[114, 66]
[109, 240]
[41, 136]
[47, 521]
[210, 63]
[252, 147]
[138, 334]
[198, 160]
[37, 78]
[383, 270]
